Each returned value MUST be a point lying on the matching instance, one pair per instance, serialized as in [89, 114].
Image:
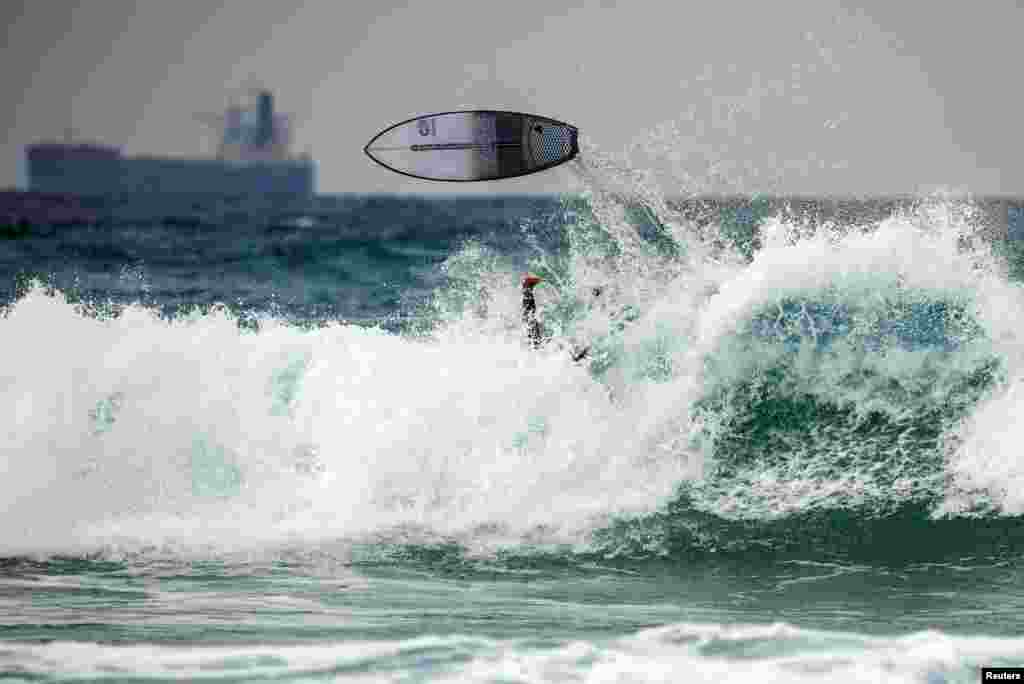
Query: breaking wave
[807, 385]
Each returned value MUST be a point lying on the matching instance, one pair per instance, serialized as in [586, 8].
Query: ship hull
[53, 172]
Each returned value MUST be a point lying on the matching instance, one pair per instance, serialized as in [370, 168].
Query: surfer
[534, 331]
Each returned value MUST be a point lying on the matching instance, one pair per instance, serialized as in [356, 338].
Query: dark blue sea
[309, 442]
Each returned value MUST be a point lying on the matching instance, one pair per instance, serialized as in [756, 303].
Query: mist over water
[793, 435]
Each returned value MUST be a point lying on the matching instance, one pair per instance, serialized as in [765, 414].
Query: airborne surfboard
[474, 145]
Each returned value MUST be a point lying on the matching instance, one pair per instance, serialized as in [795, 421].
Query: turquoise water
[313, 446]
[323, 617]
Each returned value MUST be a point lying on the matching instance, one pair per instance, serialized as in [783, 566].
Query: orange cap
[529, 280]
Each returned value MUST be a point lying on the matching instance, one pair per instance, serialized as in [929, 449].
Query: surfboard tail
[553, 143]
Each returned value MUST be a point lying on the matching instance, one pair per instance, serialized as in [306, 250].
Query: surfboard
[475, 145]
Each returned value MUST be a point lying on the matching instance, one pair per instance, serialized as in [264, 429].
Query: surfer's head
[530, 280]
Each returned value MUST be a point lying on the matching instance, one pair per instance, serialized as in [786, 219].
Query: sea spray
[740, 376]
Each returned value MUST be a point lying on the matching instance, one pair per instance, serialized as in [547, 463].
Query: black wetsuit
[530, 322]
[534, 332]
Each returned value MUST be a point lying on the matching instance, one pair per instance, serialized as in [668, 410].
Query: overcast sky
[794, 97]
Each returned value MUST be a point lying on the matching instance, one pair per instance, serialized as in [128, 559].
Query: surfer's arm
[580, 353]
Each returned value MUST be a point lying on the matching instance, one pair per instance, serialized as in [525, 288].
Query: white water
[142, 432]
[697, 652]
[136, 432]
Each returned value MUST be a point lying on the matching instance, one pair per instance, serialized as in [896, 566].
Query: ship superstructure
[253, 158]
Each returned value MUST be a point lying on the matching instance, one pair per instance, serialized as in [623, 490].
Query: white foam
[742, 653]
[696, 652]
[140, 432]
[137, 432]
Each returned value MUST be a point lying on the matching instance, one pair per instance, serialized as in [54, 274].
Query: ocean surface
[279, 443]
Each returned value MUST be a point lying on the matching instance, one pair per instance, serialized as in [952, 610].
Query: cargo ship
[253, 158]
